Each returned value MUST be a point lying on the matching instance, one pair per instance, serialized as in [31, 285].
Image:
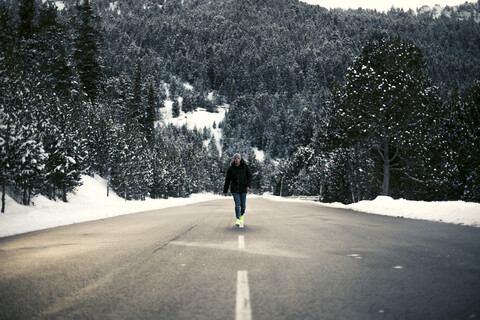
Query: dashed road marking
[243, 308]
[241, 242]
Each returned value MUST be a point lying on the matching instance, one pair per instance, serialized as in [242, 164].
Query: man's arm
[228, 179]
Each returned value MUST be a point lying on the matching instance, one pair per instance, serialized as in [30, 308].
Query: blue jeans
[240, 203]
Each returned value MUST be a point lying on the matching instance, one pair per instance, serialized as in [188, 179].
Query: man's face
[237, 161]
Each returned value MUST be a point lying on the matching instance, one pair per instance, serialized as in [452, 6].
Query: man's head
[237, 157]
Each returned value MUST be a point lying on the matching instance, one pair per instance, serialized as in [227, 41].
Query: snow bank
[458, 212]
[89, 202]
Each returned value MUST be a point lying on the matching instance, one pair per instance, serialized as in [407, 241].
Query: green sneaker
[241, 218]
[238, 222]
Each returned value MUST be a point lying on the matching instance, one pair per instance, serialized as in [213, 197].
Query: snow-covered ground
[90, 202]
[457, 212]
[199, 119]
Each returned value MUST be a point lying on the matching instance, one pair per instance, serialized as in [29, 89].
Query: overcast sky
[382, 5]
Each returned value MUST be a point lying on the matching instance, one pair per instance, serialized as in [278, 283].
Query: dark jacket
[238, 178]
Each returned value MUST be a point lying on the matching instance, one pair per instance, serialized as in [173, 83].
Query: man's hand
[224, 194]
[248, 189]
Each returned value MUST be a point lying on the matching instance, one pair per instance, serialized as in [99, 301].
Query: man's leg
[243, 206]
[243, 203]
[238, 203]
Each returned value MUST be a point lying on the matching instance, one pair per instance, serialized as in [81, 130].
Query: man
[239, 179]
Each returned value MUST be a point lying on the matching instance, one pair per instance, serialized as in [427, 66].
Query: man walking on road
[239, 179]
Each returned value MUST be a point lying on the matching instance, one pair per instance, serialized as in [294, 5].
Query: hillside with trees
[346, 104]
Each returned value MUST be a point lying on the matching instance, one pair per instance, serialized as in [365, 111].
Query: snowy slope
[199, 118]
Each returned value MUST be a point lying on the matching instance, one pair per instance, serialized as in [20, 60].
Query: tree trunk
[386, 178]
[64, 192]
[4, 186]
[25, 195]
[386, 168]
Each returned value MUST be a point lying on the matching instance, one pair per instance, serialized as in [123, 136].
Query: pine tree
[66, 148]
[151, 115]
[382, 104]
[469, 148]
[7, 38]
[302, 175]
[337, 184]
[26, 12]
[22, 156]
[303, 129]
[439, 176]
[6, 49]
[86, 50]
[135, 104]
[255, 169]
[132, 174]
[86, 40]
[4, 152]
[158, 189]
[51, 50]
[213, 164]
[22, 153]
[175, 108]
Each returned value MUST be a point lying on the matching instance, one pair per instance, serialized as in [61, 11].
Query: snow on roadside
[90, 202]
[457, 212]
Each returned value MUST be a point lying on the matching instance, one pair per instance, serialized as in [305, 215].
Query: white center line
[243, 309]
[241, 242]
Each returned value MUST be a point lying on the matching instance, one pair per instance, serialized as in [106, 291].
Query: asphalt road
[291, 261]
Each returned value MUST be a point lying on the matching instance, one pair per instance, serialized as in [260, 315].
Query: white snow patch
[113, 6]
[259, 154]
[456, 212]
[60, 5]
[89, 202]
[187, 86]
[199, 119]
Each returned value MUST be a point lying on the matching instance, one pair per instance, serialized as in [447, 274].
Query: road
[291, 261]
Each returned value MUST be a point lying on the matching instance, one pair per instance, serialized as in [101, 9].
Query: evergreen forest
[345, 104]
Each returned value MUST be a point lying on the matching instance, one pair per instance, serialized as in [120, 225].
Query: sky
[382, 5]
